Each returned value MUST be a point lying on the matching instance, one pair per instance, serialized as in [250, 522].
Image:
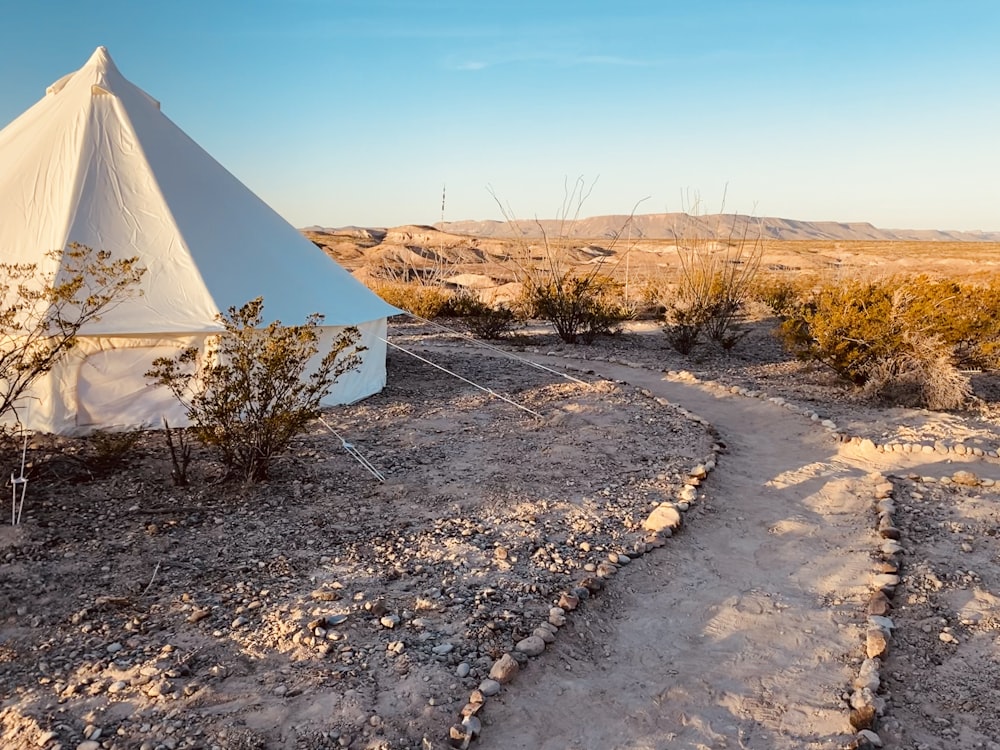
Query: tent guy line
[498, 350]
[483, 388]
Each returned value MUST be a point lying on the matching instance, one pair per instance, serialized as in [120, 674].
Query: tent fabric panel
[242, 247]
[370, 377]
[113, 392]
[122, 210]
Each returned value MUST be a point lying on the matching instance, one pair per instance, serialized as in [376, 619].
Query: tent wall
[101, 384]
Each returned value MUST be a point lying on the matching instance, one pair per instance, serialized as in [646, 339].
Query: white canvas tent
[95, 162]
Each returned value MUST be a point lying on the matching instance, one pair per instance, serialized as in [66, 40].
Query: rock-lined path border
[863, 698]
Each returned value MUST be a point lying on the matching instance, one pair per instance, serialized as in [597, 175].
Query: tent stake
[16, 507]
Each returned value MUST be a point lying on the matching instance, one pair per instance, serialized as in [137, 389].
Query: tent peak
[101, 76]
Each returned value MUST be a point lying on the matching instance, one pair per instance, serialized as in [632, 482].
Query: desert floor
[326, 609]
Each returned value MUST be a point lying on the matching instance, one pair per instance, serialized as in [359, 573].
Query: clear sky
[359, 112]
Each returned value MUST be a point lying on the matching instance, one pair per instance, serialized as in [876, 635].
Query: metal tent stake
[17, 504]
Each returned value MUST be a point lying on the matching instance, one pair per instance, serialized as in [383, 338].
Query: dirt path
[740, 633]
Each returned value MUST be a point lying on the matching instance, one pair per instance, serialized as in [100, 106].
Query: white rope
[355, 453]
[16, 506]
[464, 380]
[498, 350]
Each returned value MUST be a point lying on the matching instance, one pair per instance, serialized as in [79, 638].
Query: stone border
[662, 523]
[866, 706]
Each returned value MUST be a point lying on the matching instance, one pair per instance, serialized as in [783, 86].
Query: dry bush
[108, 451]
[921, 375]
[486, 320]
[253, 396]
[900, 339]
[716, 277]
[781, 292]
[579, 304]
[421, 300]
[580, 308]
[41, 314]
[848, 327]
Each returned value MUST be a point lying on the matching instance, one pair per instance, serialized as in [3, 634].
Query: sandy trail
[740, 632]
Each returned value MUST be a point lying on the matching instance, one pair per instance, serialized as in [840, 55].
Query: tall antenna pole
[443, 188]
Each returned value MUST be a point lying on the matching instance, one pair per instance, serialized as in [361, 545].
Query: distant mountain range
[671, 225]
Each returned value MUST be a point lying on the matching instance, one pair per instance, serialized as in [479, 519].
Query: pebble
[114, 648]
[443, 648]
[389, 621]
[463, 669]
[89, 745]
[947, 638]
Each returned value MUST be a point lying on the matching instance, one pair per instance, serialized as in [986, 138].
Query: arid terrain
[326, 609]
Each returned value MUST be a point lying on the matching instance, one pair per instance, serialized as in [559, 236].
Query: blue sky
[360, 112]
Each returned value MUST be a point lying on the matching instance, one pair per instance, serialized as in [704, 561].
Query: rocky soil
[325, 609]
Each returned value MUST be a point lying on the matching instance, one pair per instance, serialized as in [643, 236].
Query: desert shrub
[964, 315]
[41, 314]
[580, 308]
[717, 276]
[485, 320]
[683, 328]
[895, 338]
[424, 301]
[848, 327]
[923, 374]
[253, 396]
[580, 305]
[108, 451]
[781, 293]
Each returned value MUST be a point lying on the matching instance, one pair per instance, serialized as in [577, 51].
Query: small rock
[503, 669]
[473, 726]
[463, 669]
[606, 570]
[389, 621]
[45, 738]
[114, 648]
[664, 516]
[867, 735]
[947, 637]
[458, 736]
[568, 602]
[532, 646]
[443, 648]
[89, 745]
[876, 643]
[545, 634]
[868, 677]
[879, 604]
[862, 718]
[883, 490]
[965, 478]
[489, 688]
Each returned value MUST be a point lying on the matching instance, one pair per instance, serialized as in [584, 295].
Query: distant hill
[672, 225]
